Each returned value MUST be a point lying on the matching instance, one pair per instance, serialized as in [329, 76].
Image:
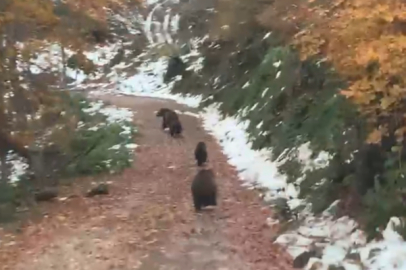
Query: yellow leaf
[387, 101]
[365, 98]
[396, 90]
[396, 148]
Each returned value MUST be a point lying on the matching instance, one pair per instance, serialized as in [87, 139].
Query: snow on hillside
[341, 237]
[149, 81]
[18, 167]
[50, 60]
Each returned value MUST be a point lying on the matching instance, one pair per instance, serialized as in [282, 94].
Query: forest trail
[147, 221]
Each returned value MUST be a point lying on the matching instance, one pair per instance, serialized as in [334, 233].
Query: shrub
[100, 154]
[94, 146]
[105, 142]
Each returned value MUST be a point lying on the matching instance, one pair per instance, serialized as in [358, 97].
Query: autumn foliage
[29, 106]
[365, 41]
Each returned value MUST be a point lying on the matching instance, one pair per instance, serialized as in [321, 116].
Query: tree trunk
[4, 168]
[63, 72]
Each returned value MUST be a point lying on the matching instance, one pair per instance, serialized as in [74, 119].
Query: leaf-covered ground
[147, 221]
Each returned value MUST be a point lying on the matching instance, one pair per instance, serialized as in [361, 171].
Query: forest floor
[147, 221]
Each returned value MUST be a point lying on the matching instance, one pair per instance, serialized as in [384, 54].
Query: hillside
[305, 99]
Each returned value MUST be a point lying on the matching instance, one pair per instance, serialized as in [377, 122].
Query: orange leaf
[400, 133]
[347, 93]
[375, 136]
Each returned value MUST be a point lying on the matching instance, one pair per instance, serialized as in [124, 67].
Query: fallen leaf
[375, 136]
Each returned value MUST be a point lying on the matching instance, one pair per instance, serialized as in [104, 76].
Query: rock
[100, 189]
[175, 67]
[316, 266]
[302, 260]
[353, 256]
[333, 209]
[279, 202]
[46, 194]
[281, 209]
[373, 252]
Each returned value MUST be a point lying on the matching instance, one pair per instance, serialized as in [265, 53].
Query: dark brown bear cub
[204, 189]
[170, 119]
[161, 113]
[201, 153]
[175, 127]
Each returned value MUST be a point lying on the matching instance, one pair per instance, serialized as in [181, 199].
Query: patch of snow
[254, 106]
[162, 35]
[151, 2]
[102, 55]
[267, 35]
[264, 92]
[260, 125]
[195, 66]
[246, 85]
[115, 147]
[304, 156]
[175, 23]
[49, 59]
[117, 115]
[277, 64]
[130, 20]
[113, 114]
[126, 130]
[192, 114]
[131, 146]
[333, 254]
[18, 167]
[166, 27]
[253, 165]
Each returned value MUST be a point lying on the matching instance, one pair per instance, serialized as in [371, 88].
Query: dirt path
[148, 221]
